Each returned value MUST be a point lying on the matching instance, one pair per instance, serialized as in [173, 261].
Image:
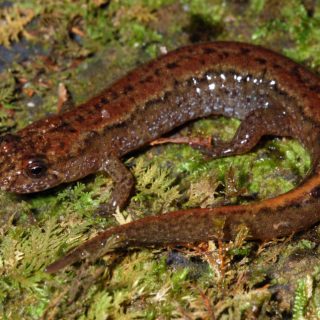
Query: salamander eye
[36, 168]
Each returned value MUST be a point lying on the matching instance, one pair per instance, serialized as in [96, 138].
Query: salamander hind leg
[258, 123]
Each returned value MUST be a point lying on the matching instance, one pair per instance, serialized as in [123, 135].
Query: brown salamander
[271, 94]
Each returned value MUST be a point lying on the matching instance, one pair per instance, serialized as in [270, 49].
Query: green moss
[302, 295]
[154, 188]
[211, 12]
[100, 307]
[141, 280]
[15, 19]
[296, 25]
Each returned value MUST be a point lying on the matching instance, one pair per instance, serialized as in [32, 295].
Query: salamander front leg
[123, 185]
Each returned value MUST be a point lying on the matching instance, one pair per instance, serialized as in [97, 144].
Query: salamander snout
[22, 169]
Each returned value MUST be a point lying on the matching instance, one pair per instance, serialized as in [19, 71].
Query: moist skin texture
[271, 94]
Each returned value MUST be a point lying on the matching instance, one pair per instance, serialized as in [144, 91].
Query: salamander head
[22, 169]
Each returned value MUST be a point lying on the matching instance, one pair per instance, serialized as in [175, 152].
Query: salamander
[271, 94]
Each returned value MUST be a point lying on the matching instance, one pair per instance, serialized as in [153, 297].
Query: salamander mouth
[27, 188]
[18, 184]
